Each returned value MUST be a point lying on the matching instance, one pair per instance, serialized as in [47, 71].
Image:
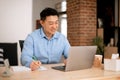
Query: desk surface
[51, 74]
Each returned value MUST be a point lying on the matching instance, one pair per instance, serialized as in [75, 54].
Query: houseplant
[98, 41]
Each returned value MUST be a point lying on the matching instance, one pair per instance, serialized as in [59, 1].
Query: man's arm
[27, 52]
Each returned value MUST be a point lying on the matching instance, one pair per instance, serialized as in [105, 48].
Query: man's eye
[51, 23]
[56, 22]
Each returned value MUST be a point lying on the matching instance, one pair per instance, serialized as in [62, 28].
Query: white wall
[15, 19]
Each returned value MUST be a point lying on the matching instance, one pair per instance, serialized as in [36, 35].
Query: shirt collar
[56, 35]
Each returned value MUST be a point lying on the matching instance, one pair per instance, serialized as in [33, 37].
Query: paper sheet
[20, 68]
[23, 68]
[42, 68]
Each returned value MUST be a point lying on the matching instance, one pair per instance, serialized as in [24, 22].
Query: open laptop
[80, 57]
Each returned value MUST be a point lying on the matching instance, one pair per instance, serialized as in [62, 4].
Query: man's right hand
[35, 65]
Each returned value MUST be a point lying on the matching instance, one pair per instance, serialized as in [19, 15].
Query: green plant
[98, 41]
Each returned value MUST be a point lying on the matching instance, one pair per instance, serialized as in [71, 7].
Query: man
[45, 45]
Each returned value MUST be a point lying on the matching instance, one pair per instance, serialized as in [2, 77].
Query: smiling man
[45, 45]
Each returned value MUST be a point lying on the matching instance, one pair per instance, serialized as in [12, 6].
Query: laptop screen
[80, 57]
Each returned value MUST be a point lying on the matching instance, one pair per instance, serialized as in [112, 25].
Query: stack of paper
[23, 68]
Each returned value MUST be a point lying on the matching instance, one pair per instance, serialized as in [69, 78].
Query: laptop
[80, 57]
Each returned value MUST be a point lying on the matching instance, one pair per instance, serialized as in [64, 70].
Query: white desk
[51, 74]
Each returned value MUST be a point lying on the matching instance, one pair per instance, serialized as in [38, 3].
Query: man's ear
[41, 22]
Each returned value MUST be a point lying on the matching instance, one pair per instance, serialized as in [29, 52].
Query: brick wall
[82, 22]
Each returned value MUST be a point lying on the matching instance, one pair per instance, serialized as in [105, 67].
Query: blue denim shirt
[47, 51]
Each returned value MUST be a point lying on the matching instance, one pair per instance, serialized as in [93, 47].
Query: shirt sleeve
[27, 52]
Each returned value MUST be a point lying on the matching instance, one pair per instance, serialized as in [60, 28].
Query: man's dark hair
[48, 12]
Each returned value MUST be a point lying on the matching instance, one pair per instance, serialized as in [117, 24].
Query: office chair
[21, 42]
[10, 52]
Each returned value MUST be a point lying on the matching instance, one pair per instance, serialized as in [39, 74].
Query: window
[61, 8]
[63, 22]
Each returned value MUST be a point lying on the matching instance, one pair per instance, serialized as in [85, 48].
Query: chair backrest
[10, 52]
[21, 42]
[1, 57]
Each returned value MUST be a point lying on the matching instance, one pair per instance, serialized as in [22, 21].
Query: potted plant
[98, 41]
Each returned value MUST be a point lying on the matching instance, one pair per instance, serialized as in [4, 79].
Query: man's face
[50, 25]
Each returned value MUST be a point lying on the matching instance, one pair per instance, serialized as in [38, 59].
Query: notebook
[80, 57]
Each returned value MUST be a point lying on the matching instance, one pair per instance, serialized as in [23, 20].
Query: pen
[34, 58]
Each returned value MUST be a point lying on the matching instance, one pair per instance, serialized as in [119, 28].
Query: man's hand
[35, 65]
